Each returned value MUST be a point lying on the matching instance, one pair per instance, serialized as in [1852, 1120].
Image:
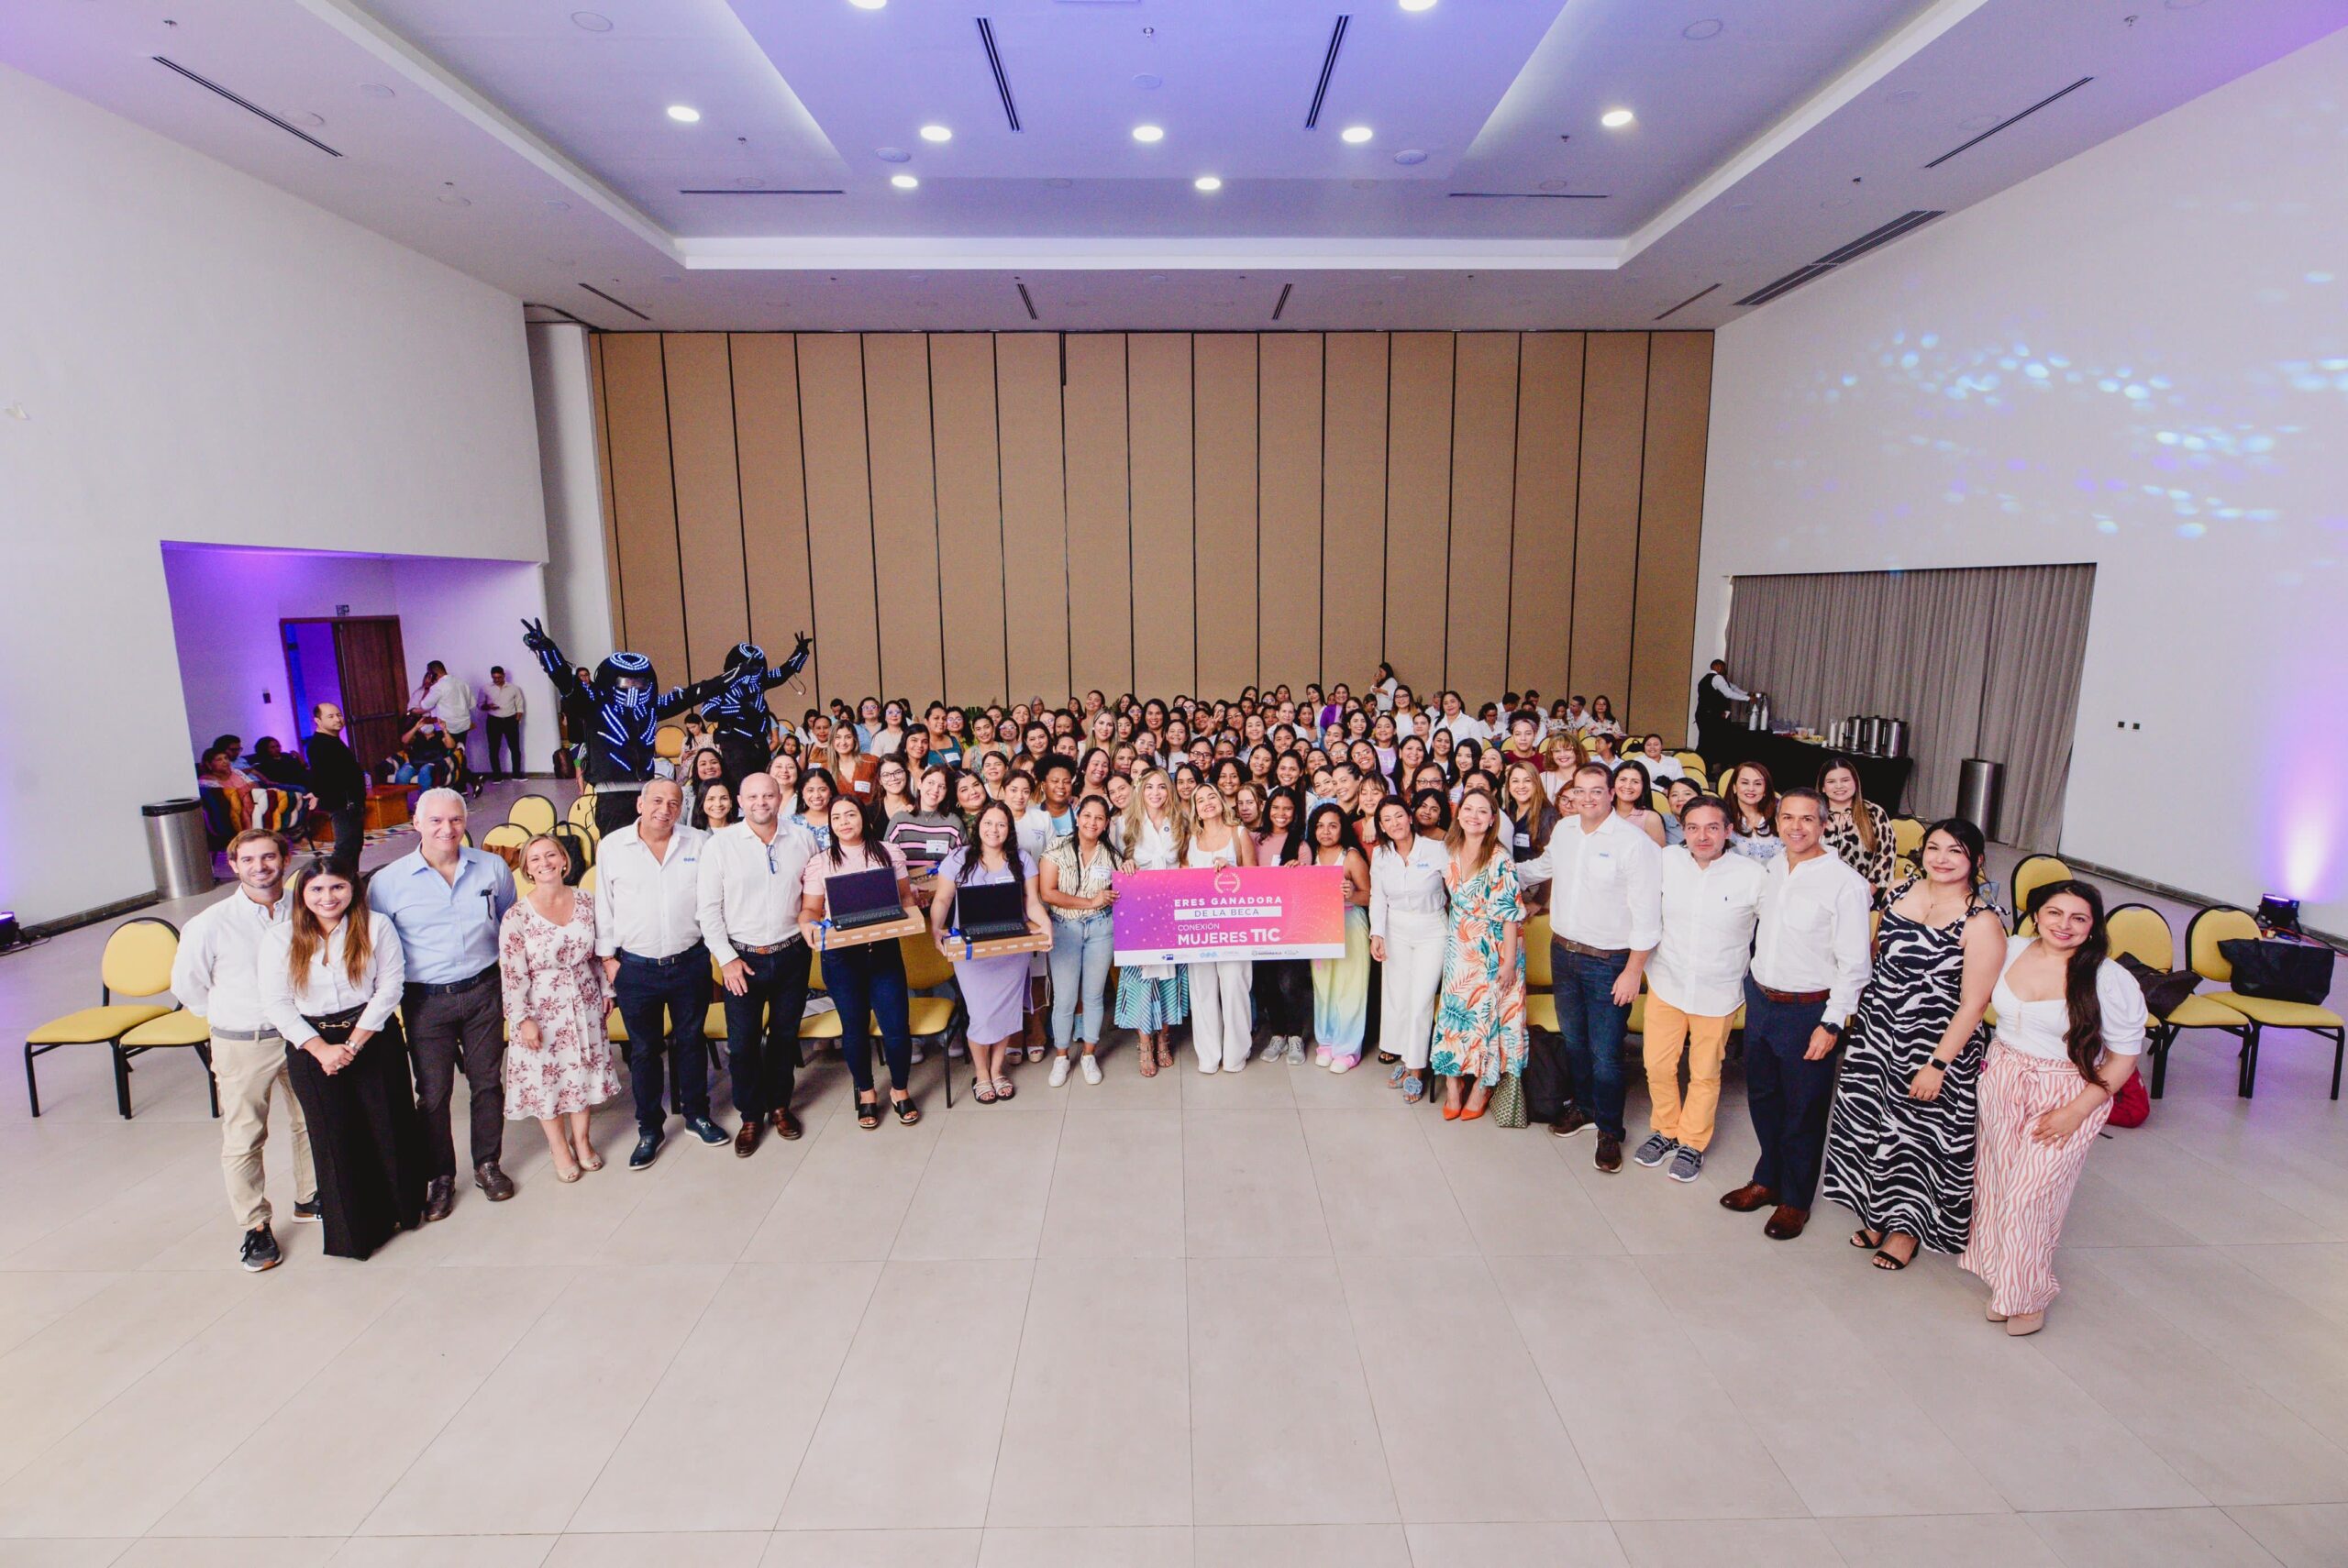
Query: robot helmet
[743, 654]
[623, 668]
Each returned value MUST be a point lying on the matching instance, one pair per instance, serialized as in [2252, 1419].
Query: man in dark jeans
[1605, 917]
[647, 932]
[503, 704]
[338, 787]
[749, 896]
[447, 902]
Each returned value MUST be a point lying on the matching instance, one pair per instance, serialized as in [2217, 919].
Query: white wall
[197, 356]
[2138, 359]
[579, 582]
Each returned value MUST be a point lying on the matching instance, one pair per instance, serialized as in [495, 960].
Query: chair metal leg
[2164, 1036]
[121, 1079]
[211, 1080]
[2339, 1053]
[32, 1084]
[2249, 1061]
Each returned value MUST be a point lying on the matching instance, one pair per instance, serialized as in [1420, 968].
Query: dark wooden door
[373, 668]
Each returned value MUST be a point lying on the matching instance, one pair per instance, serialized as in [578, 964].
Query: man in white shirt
[504, 704]
[1809, 963]
[1605, 917]
[448, 699]
[748, 895]
[1696, 980]
[1578, 717]
[647, 932]
[215, 974]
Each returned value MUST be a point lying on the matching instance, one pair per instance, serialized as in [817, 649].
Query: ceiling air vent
[1328, 69]
[250, 107]
[759, 191]
[1286, 289]
[2001, 125]
[1527, 195]
[1027, 300]
[994, 64]
[1905, 222]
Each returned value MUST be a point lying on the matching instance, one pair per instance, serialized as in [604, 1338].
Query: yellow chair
[929, 1017]
[136, 962]
[2035, 872]
[532, 814]
[1540, 1006]
[506, 841]
[1907, 846]
[2257, 1013]
[2141, 933]
[582, 814]
[669, 742]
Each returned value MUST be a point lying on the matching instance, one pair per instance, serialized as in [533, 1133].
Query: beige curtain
[1981, 662]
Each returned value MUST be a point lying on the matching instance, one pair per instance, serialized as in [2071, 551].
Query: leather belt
[1792, 998]
[761, 952]
[1587, 951]
[453, 987]
[264, 1032]
[695, 951]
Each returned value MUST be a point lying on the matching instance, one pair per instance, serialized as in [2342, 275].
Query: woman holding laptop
[994, 990]
[866, 979]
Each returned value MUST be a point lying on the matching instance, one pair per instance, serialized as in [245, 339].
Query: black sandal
[868, 1114]
[907, 1111]
[1889, 1265]
[1865, 1240]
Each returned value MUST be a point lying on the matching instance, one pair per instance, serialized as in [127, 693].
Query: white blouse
[2038, 1028]
[1154, 848]
[327, 987]
[1412, 886]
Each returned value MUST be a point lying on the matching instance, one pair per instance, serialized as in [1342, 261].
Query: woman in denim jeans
[1076, 888]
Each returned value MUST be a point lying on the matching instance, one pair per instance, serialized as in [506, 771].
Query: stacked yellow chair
[136, 962]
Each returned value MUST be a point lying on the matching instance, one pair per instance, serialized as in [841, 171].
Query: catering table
[1791, 762]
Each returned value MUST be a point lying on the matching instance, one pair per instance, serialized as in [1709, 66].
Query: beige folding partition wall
[1002, 516]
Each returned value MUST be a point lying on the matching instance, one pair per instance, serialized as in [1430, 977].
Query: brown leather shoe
[1749, 1198]
[493, 1181]
[746, 1141]
[1610, 1152]
[1786, 1223]
[786, 1126]
[439, 1197]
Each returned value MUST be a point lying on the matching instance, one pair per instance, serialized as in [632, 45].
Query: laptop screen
[991, 909]
[856, 893]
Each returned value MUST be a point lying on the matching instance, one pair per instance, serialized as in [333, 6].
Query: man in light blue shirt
[446, 902]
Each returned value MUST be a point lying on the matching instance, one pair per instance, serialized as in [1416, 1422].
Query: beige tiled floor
[1273, 1319]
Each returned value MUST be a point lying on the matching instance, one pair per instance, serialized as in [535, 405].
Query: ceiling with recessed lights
[1146, 164]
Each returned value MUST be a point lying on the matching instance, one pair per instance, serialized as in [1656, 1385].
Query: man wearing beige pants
[216, 975]
[1710, 901]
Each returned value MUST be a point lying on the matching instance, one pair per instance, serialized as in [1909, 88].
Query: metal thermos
[1894, 738]
[1756, 713]
[1871, 735]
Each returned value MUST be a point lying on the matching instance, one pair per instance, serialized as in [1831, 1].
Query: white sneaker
[1060, 1071]
[917, 1057]
[1091, 1069]
[1296, 1050]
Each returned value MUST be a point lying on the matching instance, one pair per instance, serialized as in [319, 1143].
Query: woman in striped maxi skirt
[1900, 1153]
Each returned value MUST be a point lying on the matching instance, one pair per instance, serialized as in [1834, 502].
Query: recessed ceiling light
[558, 206]
[1552, 184]
[1149, 133]
[935, 133]
[903, 181]
[1615, 119]
[1150, 80]
[450, 199]
[684, 113]
[892, 155]
[312, 121]
[376, 90]
[591, 21]
[1158, 277]
[1418, 5]
[1356, 133]
[1208, 183]
[1410, 155]
[868, 4]
[1697, 32]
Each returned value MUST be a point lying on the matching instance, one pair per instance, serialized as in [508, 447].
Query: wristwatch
[1833, 1029]
[1937, 1064]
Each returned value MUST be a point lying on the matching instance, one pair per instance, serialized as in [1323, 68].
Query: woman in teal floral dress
[1479, 1018]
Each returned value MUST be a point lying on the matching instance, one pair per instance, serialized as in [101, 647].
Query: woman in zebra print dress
[1900, 1153]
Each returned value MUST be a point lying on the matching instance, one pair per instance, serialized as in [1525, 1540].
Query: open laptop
[988, 912]
[859, 898]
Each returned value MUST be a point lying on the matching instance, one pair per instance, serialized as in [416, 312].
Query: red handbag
[2134, 1106]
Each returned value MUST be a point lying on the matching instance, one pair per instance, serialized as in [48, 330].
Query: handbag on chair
[2280, 968]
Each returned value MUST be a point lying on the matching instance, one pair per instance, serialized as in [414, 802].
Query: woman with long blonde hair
[1223, 1021]
[330, 978]
[1153, 835]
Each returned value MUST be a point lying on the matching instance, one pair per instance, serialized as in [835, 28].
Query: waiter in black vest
[1714, 692]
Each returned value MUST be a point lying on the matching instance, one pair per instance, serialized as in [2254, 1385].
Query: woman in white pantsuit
[1222, 1023]
[1407, 908]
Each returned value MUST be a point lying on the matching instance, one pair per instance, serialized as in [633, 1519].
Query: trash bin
[175, 845]
[1980, 790]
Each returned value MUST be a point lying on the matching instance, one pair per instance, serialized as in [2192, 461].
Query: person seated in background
[423, 757]
[217, 769]
[1661, 766]
[274, 765]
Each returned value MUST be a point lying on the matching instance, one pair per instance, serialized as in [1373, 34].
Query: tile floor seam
[652, 1389]
[461, 1406]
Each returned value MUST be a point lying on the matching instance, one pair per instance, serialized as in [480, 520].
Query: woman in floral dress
[1479, 1016]
[559, 1055]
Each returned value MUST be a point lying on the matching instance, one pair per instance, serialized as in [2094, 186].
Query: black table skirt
[1791, 762]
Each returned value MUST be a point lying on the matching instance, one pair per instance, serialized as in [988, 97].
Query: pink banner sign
[1229, 911]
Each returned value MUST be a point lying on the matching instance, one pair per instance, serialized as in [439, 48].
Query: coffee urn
[1894, 738]
[1756, 713]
